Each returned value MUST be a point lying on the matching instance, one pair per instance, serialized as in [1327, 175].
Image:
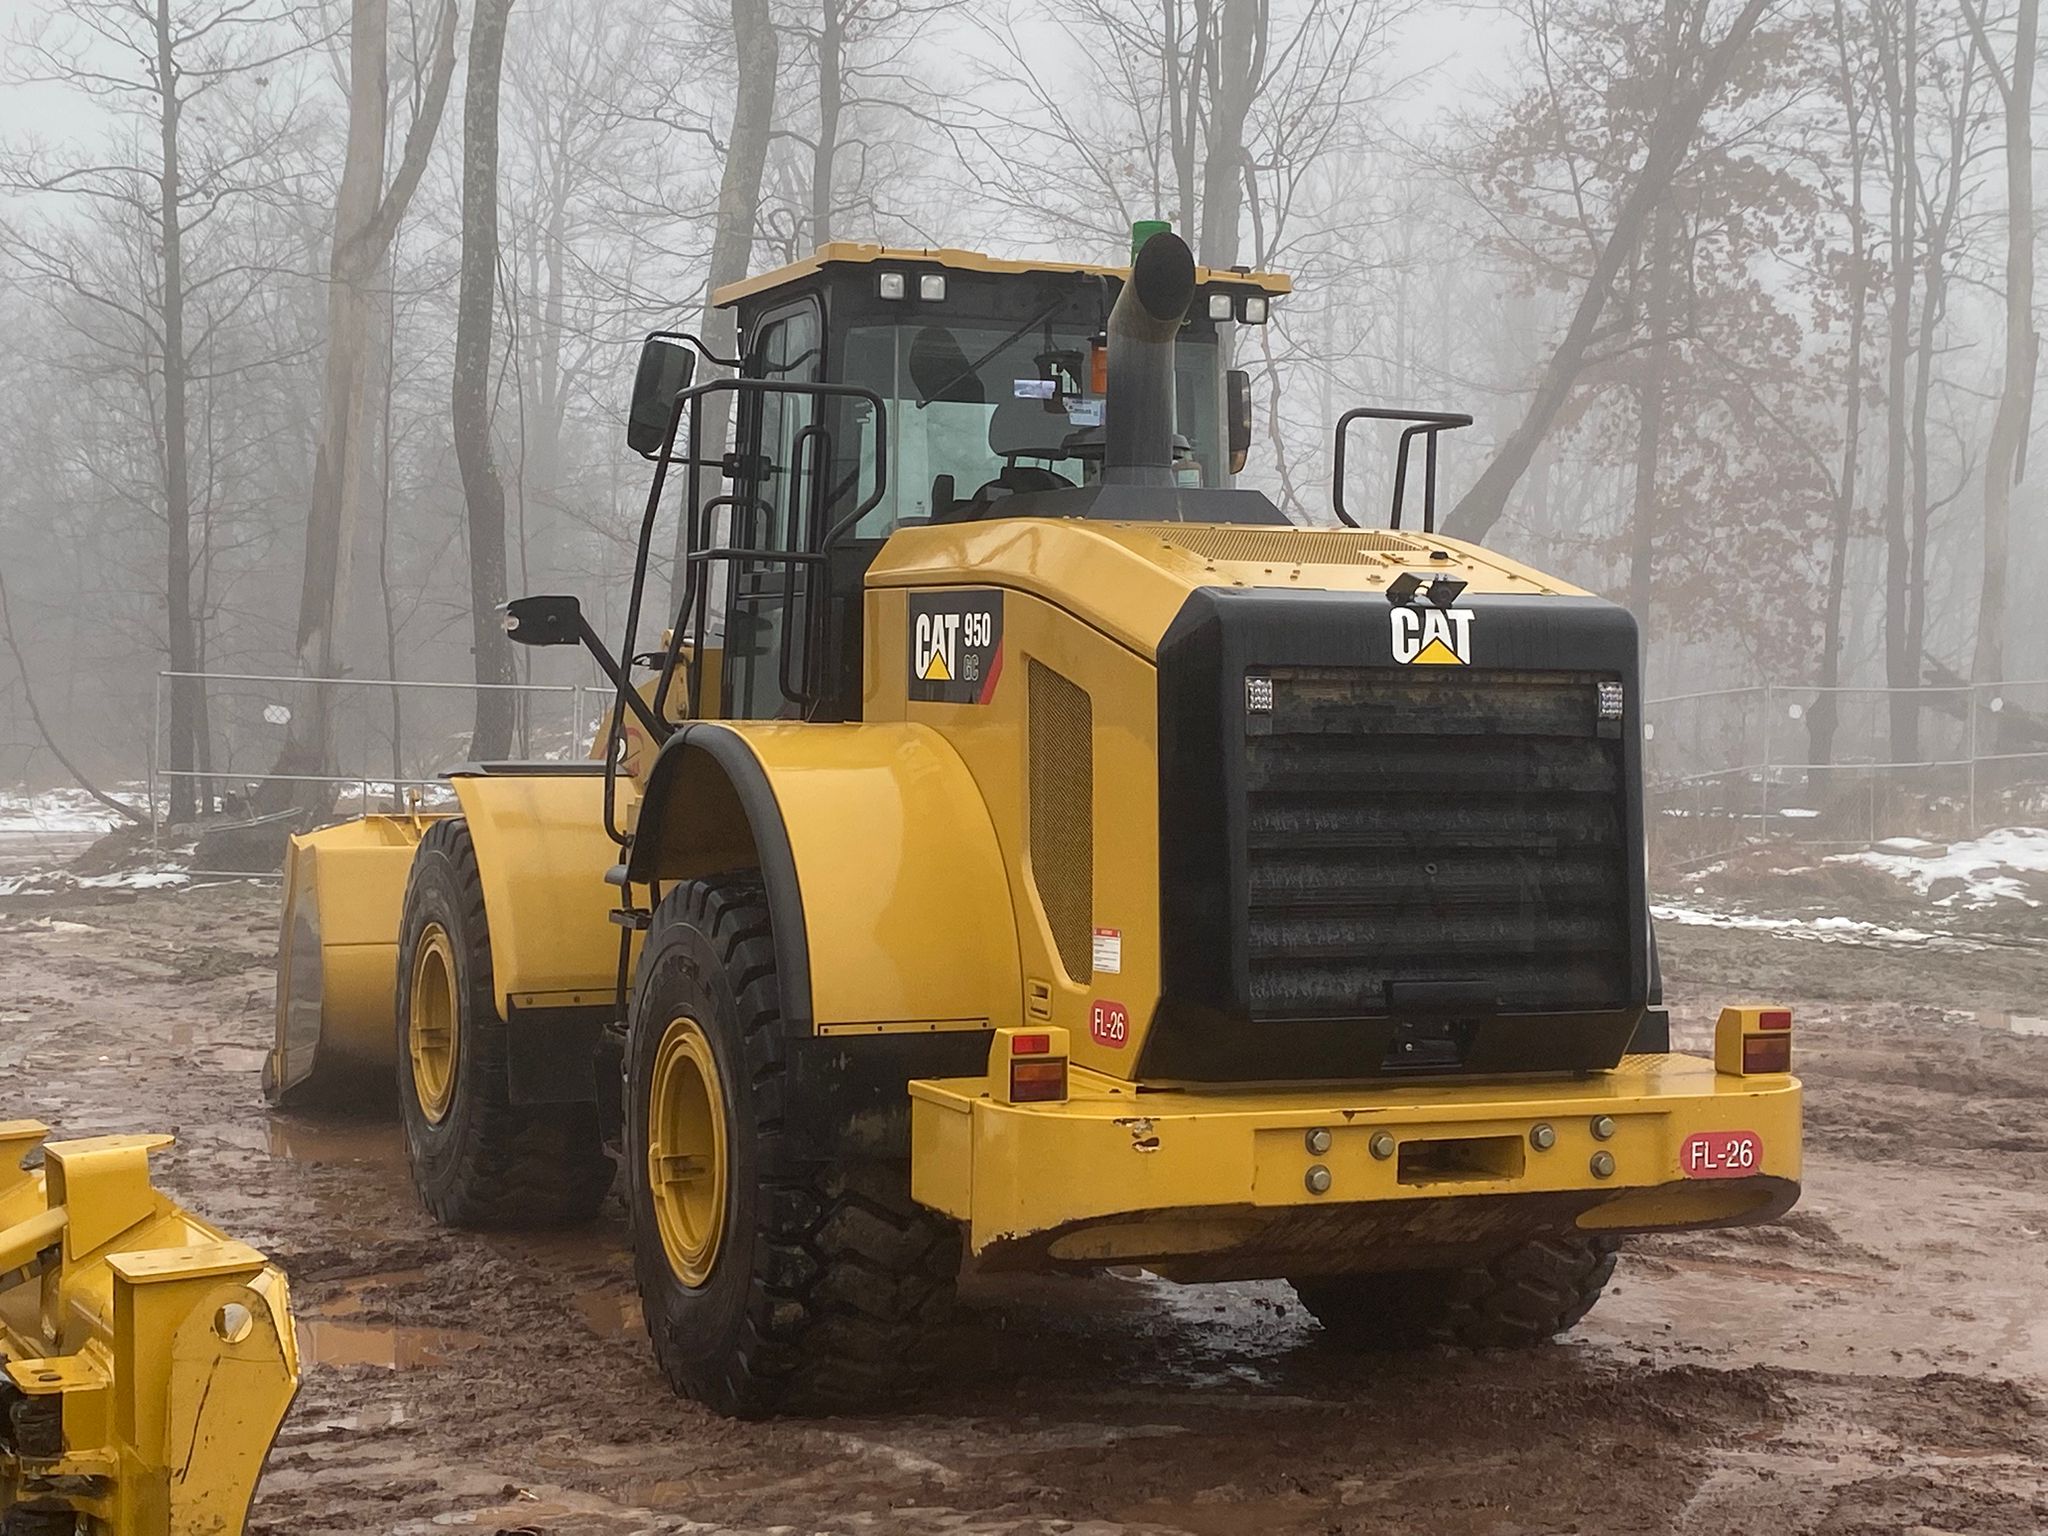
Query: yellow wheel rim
[433, 1038]
[686, 1151]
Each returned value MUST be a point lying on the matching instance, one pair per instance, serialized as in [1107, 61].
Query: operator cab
[900, 389]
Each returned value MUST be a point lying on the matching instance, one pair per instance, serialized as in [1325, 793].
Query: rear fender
[884, 880]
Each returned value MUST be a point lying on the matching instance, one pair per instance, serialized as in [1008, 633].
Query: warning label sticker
[956, 646]
[1109, 950]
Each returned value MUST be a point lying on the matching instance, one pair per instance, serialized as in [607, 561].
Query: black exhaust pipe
[1137, 413]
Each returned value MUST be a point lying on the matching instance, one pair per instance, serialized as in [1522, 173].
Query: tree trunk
[1671, 135]
[1642, 544]
[182, 749]
[366, 217]
[1823, 718]
[1901, 663]
[1233, 86]
[732, 241]
[2005, 457]
[475, 309]
[831, 90]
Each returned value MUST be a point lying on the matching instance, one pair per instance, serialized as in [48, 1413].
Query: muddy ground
[1876, 1363]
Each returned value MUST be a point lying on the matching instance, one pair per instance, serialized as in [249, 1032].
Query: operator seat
[1018, 429]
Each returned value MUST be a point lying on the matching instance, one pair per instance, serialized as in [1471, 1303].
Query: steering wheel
[1015, 480]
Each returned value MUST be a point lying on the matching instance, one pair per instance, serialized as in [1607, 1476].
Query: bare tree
[155, 66]
[2005, 457]
[483, 491]
[367, 214]
[1691, 77]
[1823, 717]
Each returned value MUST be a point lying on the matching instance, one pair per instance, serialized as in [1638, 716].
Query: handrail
[696, 597]
[1427, 424]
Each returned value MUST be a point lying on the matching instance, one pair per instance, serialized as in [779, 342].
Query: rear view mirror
[544, 620]
[1238, 391]
[666, 367]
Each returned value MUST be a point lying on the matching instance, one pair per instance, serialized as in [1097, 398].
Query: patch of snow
[1826, 930]
[56, 881]
[1986, 866]
[1796, 813]
[57, 811]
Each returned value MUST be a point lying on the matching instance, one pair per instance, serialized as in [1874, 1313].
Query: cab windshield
[982, 408]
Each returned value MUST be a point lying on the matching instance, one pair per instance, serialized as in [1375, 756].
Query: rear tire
[477, 1159]
[1524, 1296]
[819, 1279]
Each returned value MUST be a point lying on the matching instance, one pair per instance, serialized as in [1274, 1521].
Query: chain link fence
[1819, 766]
[388, 742]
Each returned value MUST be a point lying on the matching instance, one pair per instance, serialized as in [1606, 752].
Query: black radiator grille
[1423, 842]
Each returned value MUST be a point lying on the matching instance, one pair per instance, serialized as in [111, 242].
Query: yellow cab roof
[860, 253]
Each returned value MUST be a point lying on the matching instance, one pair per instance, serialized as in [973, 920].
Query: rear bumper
[1221, 1183]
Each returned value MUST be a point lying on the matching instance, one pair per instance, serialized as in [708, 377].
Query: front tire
[1524, 1296]
[477, 1159]
[770, 1281]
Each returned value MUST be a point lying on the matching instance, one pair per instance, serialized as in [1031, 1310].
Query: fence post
[1763, 817]
[1970, 708]
[156, 725]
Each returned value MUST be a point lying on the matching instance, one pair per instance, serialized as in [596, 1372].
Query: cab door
[776, 497]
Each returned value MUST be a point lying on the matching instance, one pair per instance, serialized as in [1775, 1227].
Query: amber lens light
[1767, 1053]
[1039, 1081]
[1774, 1018]
[1030, 1045]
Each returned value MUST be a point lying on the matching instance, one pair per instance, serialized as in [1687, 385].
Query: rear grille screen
[1061, 736]
[1435, 845]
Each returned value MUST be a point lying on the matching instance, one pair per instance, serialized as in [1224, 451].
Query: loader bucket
[146, 1360]
[344, 890]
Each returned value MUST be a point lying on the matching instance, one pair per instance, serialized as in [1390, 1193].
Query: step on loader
[1018, 840]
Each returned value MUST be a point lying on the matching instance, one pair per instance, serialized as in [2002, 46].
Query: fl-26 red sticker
[1721, 1155]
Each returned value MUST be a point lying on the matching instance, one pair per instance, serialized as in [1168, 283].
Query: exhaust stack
[1138, 409]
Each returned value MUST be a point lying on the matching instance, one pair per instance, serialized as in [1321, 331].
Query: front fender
[542, 852]
[885, 882]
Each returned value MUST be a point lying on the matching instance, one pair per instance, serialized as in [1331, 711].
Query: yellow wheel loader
[1020, 842]
[146, 1361]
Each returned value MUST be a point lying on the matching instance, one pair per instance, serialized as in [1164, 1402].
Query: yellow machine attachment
[542, 850]
[146, 1360]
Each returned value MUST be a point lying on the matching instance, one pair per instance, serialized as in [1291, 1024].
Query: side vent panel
[1060, 733]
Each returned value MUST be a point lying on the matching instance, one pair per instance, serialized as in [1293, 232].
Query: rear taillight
[1038, 1081]
[1028, 1066]
[1767, 1053]
[1753, 1041]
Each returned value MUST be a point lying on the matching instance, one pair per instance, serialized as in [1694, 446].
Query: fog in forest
[321, 321]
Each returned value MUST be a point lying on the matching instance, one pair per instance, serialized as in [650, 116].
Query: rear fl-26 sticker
[956, 646]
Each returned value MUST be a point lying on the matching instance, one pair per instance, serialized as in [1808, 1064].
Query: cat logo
[956, 646]
[1431, 637]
